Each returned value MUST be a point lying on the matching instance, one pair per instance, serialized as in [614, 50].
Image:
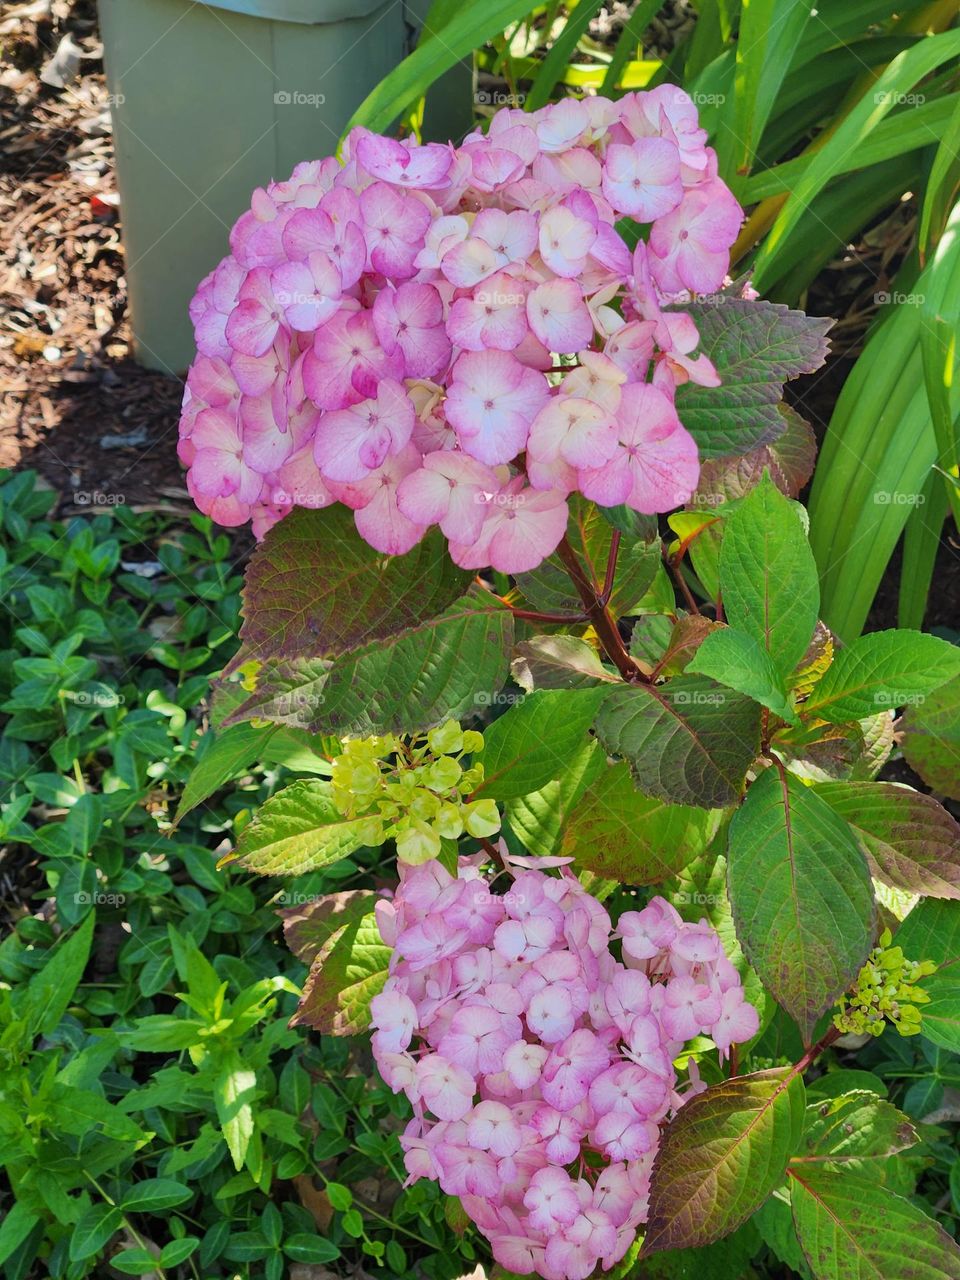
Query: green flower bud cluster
[886, 990]
[415, 789]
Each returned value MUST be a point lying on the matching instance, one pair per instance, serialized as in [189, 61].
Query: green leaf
[17, 1224]
[163, 1033]
[879, 97]
[531, 744]
[349, 970]
[233, 750]
[851, 1131]
[910, 840]
[445, 667]
[689, 741]
[768, 576]
[932, 932]
[735, 659]
[882, 670]
[931, 738]
[851, 1228]
[307, 927]
[617, 832]
[537, 819]
[95, 1228]
[590, 532]
[152, 1195]
[557, 662]
[789, 459]
[174, 1252]
[801, 895]
[234, 1090]
[756, 347]
[49, 992]
[314, 588]
[471, 26]
[300, 829]
[721, 1156]
[302, 1247]
[81, 1112]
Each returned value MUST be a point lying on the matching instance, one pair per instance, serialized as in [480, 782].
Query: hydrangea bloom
[429, 316]
[540, 1067]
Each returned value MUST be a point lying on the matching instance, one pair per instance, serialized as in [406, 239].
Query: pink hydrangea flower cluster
[459, 336]
[539, 1066]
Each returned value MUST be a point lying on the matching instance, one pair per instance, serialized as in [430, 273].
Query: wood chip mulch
[73, 403]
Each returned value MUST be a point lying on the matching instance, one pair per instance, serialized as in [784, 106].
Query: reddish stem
[595, 606]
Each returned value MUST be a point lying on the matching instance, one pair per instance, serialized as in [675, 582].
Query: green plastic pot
[212, 100]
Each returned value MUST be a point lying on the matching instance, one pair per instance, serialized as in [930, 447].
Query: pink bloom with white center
[350, 443]
[503, 1105]
[656, 466]
[410, 318]
[737, 1021]
[446, 1088]
[450, 489]
[690, 247]
[492, 400]
[493, 317]
[522, 527]
[559, 317]
[643, 179]
[462, 273]
[689, 1008]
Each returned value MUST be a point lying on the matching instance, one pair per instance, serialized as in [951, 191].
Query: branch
[595, 606]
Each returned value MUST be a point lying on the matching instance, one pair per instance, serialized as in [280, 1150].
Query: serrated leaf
[446, 667]
[549, 588]
[348, 971]
[850, 1131]
[314, 588]
[537, 819]
[789, 459]
[307, 926]
[617, 832]
[910, 840]
[881, 670]
[300, 829]
[721, 1156]
[851, 1228]
[687, 635]
[932, 932]
[689, 741]
[557, 662]
[768, 577]
[815, 661]
[931, 739]
[531, 743]
[736, 660]
[801, 895]
[231, 751]
[756, 347]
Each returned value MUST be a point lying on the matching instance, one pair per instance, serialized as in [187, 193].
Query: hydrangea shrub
[533, 576]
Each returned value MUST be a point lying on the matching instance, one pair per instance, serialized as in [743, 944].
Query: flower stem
[595, 605]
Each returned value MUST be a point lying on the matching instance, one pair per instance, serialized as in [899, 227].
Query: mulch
[74, 404]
